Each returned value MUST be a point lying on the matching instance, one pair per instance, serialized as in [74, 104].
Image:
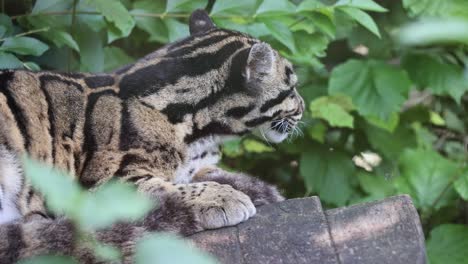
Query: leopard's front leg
[209, 204]
[259, 191]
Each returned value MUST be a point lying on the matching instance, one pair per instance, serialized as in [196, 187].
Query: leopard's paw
[260, 192]
[218, 205]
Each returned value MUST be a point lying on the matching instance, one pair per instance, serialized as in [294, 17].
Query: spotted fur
[155, 123]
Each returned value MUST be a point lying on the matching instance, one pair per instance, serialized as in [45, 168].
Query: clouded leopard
[156, 123]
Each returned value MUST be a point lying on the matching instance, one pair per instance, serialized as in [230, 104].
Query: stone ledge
[300, 231]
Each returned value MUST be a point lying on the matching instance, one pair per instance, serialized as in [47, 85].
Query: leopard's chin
[270, 135]
[275, 136]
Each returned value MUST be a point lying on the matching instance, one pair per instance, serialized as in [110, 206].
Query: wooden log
[300, 231]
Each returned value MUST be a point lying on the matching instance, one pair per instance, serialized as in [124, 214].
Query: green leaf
[255, 146]
[390, 124]
[430, 32]
[111, 203]
[424, 137]
[436, 119]
[327, 172]
[362, 18]
[275, 7]
[233, 7]
[461, 184]
[375, 185]
[437, 8]
[49, 260]
[325, 24]
[91, 49]
[439, 77]
[453, 121]
[310, 5]
[60, 38]
[93, 21]
[447, 244]
[54, 185]
[380, 48]
[362, 4]
[106, 252]
[317, 132]
[51, 5]
[115, 57]
[376, 88]
[6, 24]
[425, 175]
[24, 46]
[166, 248]
[282, 33]
[333, 109]
[31, 66]
[254, 29]
[117, 15]
[390, 144]
[155, 27]
[185, 5]
[9, 61]
[232, 148]
[177, 30]
[310, 44]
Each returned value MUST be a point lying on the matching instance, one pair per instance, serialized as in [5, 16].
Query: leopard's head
[265, 98]
[221, 83]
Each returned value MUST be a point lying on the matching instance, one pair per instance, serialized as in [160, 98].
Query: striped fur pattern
[156, 123]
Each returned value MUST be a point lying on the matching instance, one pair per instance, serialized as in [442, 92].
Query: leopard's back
[156, 123]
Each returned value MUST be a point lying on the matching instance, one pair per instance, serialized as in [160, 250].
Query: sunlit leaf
[55, 185]
[166, 248]
[255, 146]
[49, 260]
[333, 109]
[429, 32]
[111, 203]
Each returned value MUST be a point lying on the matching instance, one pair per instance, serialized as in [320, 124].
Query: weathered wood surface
[299, 231]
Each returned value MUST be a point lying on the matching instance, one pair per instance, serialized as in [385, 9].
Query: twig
[27, 33]
[26, 66]
[156, 15]
[72, 33]
[300, 20]
[446, 188]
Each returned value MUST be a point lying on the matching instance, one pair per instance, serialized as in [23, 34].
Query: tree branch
[27, 33]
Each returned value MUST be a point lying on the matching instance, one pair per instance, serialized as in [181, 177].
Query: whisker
[264, 137]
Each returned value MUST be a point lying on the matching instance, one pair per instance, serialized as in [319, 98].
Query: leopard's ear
[200, 22]
[261, 62]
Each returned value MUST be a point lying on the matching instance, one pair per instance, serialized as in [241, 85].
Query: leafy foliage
[110, 203]
[384, 76]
